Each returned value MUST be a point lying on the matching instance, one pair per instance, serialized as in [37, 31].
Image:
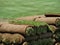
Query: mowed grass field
[18, 8]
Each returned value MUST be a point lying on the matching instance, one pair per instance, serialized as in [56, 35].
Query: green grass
[34, 23]
[18, 8]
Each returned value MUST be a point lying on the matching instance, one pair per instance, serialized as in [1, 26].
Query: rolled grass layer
[52, 28]
[43, 29]
[25, 22]
[23, 29]
[11, 38]
[57, 35]
[48, 41]
[30, 17]
[48, 20]
[41, 36]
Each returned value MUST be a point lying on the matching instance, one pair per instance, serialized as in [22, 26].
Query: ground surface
[17, 8]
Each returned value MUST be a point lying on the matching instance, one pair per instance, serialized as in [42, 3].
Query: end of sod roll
[52, 28]
[43, 29]
[30, 31]
[58, 22]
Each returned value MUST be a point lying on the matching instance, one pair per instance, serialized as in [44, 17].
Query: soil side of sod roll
[30, 17]
[48, 20]
[23, 29]
[12, 38]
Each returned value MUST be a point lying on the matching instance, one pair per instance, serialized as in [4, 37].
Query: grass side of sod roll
[48, 41]
[43, 29]
[27, 22]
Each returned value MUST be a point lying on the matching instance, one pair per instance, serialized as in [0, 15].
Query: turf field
[18, 8]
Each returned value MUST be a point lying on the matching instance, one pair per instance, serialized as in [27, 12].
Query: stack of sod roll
[31, 30]
[53, 21]
[41, 32]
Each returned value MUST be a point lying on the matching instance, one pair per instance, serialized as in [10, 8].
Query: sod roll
[17, 38]
[41, 36]
[6, 38]
[48, 20]
[12, 38]
[48, 41]
[42, 29]
[52, 28]
[30, 17]
[58, 23]
[23, 29]
[57, 35]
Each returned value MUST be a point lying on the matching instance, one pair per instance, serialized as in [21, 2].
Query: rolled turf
[52, 28]
[23, 29]
[48, 41]
[12, 38]
[49, 20]
[57, 35]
